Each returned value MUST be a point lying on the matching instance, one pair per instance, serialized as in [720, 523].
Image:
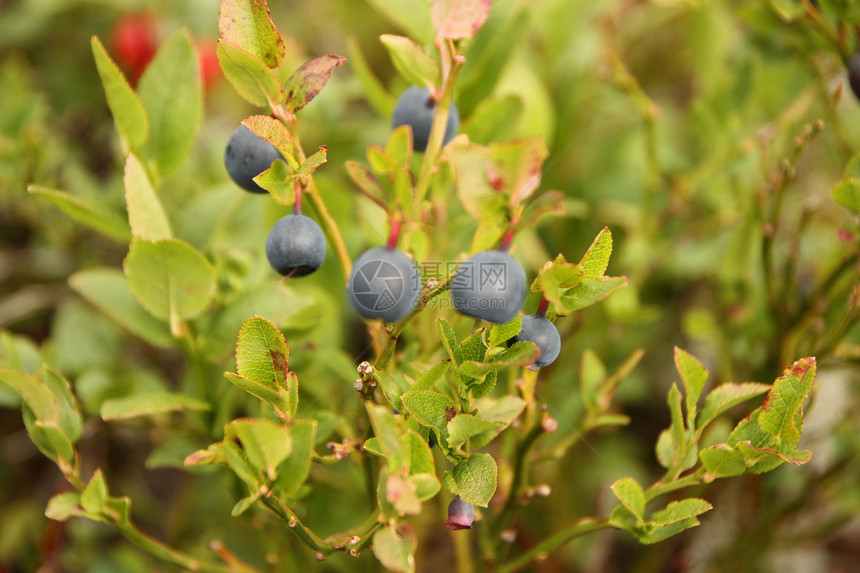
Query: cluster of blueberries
[384, 283]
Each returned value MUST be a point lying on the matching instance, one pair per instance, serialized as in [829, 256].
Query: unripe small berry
[461, 514]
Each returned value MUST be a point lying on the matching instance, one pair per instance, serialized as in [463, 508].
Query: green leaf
[418, 456]
[782, 411]
[413, 63]
[149, 404]
[87, 212]
[726, 396]
[557, 278]
[430, 408]
[494, 119]
[248, 24]
[387, 430]
[307, 81]
[108, 290]
[721, 460]
[694, 376]
[393, 386]
[429, 378]
[449, 340]
[172, 96]
[399, 146]
[476, 478]
[313, 162]
[169, 278]
[262, 354]
[294, 471]
[128, 113]
[681, 510]
[273, 131]
[250, 76]
[631, 495]
[847, 194]
[591, 292]
[63, 506]
[265, 443]
[465, 426]
[145, 212]
[480, 196]
[95, 494]
[677, 426]
[788, 10]
[264, 392]
[402, 13]
[852, 169]
[35, 393]
[596, 258]
[458, 19]
[279, 182]
[373, 90]
[592, 373]
[366, 181]
[394, 546]
[70, 420]
[501, 333]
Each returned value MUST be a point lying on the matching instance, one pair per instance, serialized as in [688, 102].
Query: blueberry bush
[429, 285]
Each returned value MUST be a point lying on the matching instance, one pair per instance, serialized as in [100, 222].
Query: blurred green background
[703, 133]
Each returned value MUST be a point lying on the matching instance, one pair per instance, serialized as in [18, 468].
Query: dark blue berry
[246, 156]
[416, 108]
[384, 283]
[295, 246]
[491, 286]
[544, 334]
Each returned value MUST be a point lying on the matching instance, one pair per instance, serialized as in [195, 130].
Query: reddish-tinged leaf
[458, 19]
[248, 24]
[307, 81]
[273, 131]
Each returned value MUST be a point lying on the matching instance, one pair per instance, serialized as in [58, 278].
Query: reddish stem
[541, 311]
[506, 242]
[393, 235]
[297, 206]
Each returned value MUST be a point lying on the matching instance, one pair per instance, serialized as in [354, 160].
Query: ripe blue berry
[246, 156]
[491, 286]
[544, 334]
[461, 514]
[295, 246]
[416, 108]
[384, 283]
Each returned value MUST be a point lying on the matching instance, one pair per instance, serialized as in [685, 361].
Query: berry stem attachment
[506, 241]
[393, 234]
[297, 206]
[541, 311]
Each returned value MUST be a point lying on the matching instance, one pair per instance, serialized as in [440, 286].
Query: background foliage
[711, 137]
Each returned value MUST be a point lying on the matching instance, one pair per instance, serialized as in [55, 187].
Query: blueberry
[544, 334]
[247, 155]
[416, 108]
[295, 246]
[384, 283]
[854, 74]
[461, 514]
[491, 285]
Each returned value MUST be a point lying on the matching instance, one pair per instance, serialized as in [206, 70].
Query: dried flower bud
[461, 514]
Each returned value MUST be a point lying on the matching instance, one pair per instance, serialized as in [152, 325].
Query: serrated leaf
[847, 194]
[248, 24]
[249, 75]
[295, 469]
[465, 426]
[596, 258]
[476, 479]
[399, 146]
[279, 182]
[108, 290]
[694, 376]
[273, 131]
[313, 162]
[307, 81]
[459, 19]
[149, 404]
[429, 378]
[265, 443]
[782, 411]
[677, 425]
[501, 333]
[430, 408]
[87, 212]
[263, 392]
[126, 108]
[171, 93]
[556, 279]
[146, 214]
[169, 278]
[631, 495]
[413, 63]
[473, 346]
[721, 460]
[726, 396]
[395, 546]
[262, 353]
[593, 291]
[449, 340]
[681, 510]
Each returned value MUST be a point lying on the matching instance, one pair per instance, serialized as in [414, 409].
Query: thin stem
[541, 311]
[297, 206]
[663, 487]
[329, 227]
[581, 527]
[310, 538]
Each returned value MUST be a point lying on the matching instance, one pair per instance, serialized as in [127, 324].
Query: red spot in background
[210, 71]
[135, 39]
